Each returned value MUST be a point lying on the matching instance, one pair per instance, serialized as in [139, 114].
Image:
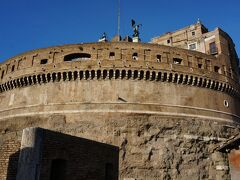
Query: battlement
[116, 56]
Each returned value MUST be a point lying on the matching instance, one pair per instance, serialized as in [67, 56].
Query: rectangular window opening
[159, 58]
[177, 61]
[135, 56]
[13, 68]
[192, 46]
[44, 61]
[213, 48]
[111, 55]
[217, 69]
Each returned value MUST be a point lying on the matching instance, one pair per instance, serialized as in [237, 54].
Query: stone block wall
[151, 147]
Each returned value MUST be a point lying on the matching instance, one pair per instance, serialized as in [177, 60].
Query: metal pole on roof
[119, 17]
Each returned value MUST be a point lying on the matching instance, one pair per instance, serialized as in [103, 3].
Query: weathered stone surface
[157, 147]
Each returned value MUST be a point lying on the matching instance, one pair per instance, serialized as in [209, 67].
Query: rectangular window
[200, 66]
[111, 55]
[213, 48]
[177, 61]
[44, 61]
[192, 46]
[159, 57]
[135, 56]
[217, 69]
[13, 68]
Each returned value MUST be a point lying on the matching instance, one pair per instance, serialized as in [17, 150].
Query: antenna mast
[118, 17]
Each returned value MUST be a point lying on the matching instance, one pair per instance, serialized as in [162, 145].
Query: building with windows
[197, 37]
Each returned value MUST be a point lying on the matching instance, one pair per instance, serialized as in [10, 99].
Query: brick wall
[52, 155]
[84, 159]
[9, 153]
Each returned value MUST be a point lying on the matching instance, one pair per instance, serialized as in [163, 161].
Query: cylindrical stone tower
[167, 114]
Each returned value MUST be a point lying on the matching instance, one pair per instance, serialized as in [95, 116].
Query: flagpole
[119, 17]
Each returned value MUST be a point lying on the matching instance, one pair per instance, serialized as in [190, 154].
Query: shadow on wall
[12, 166]
[14, 163]
[57, 156]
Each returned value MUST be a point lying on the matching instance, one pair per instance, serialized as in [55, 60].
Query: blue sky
[31, 24]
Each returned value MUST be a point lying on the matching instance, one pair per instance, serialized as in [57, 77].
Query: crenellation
[165, 58]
